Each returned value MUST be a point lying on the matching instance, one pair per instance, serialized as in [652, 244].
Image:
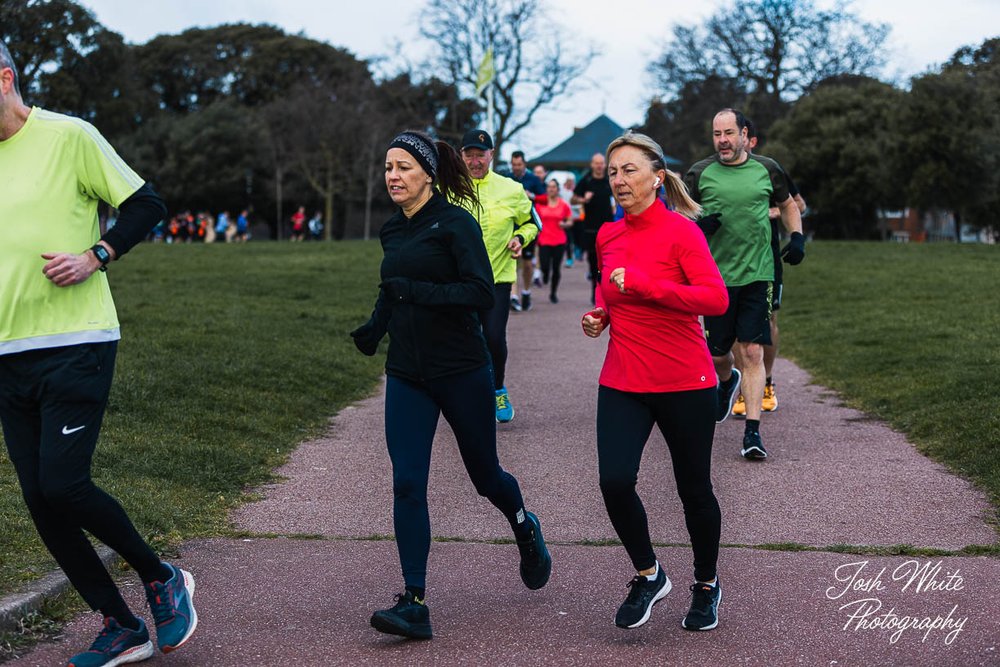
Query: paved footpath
[321, 559]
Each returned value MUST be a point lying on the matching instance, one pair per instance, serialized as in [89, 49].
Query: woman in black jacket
[436, 275]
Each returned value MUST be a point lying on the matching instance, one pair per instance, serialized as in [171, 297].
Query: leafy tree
[951, 122]
[533, 65]
[198, 161]
[70, 63]
[778, 49]
[249, 64]
[838, 144]
[683, 126]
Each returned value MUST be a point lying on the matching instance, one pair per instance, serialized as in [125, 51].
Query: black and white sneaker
[643, 594]
[753, 447]
[536, 562]
[727, 394]
[704, 612]
[407, 618]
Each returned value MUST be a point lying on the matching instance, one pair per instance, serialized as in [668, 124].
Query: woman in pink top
[656, 277]
[556, 217]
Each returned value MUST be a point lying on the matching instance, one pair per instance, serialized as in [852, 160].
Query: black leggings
[411, 415]
[550, 257]
[687, 421]
[52, 403]
[494, 323]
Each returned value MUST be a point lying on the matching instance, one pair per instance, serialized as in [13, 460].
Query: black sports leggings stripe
[411, 416]
[550, 262]
[494, 323]
[687, 421]
[52, 403]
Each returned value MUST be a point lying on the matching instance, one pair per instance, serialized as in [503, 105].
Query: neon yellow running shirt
[53, 171]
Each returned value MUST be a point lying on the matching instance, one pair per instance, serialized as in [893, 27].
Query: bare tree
[533, 67]
[778, 49]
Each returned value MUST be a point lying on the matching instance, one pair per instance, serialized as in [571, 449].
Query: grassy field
[908, 333]
[230, 356]
[234, 354]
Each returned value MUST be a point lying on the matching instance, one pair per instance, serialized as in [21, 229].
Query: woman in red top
[657, 277]
[556, 217]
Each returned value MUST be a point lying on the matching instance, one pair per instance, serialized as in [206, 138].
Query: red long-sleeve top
[656, 342]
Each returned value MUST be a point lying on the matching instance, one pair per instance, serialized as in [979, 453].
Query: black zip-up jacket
[436, 275]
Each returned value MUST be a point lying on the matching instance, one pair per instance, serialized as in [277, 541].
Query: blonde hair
[677, 192]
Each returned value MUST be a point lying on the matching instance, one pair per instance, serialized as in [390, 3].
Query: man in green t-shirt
[58, 338]
[735, 189]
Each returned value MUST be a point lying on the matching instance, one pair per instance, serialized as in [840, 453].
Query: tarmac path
[319, 558]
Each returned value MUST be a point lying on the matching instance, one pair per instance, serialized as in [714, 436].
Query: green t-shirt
[741, 195]
[54, 170]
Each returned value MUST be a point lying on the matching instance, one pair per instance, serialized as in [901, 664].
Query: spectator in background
[299, 224]
[316, 226]
[594, 193]
[243, 227]
[221, 225]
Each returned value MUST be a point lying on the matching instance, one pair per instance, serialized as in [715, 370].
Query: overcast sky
[629, 35]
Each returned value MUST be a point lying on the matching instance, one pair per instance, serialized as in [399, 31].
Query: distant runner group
[686, 282]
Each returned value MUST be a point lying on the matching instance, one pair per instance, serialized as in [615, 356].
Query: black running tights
[687, 421]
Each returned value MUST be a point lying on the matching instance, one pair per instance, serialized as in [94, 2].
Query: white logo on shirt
[69, 431]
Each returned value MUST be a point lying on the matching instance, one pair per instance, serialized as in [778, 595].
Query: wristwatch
[102, 255]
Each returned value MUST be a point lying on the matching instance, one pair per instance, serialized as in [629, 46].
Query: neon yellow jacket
[504, 211]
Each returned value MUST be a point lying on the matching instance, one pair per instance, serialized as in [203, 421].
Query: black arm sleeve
[137, 215]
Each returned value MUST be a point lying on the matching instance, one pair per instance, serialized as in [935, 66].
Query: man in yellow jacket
[509, 223]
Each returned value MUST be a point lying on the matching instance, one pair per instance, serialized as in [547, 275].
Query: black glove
[709, 224]
[795, 251]
[365, 338]
[397, 290]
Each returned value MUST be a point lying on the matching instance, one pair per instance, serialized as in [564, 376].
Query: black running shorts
[747, 320]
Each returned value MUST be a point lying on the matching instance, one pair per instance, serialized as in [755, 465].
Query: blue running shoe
[505, 411]
[115, 646]
[172, 605]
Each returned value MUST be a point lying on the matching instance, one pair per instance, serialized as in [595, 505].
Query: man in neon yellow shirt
[509, 223]
[58, 339]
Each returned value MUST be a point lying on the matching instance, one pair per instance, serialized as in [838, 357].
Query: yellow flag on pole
[484, 75]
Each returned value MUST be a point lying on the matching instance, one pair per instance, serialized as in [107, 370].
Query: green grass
[231, 356]
[909, 334]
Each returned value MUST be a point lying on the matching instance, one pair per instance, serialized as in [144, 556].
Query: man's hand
[795, 251]
[65, 269]
[587, 196]
[594, 322]
[709, 224]
[515, 247]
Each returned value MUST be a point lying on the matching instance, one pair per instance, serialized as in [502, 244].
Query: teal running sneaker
[115, 645]
[172, 605]
[505, 411]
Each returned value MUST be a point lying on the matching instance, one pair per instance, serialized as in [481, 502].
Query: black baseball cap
[477, 139]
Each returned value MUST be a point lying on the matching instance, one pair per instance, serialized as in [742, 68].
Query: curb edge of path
[15, 606]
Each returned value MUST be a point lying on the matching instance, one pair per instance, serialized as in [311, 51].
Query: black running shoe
[536, 563]
[408, 618]
[753, 447]
[727, 394]
[525, 302]
[704, 612]
[643, 594]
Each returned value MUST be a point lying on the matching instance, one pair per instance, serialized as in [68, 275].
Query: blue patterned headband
[424, 151]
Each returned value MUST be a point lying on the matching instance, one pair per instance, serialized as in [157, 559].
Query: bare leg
[752, 384]
[771, 351]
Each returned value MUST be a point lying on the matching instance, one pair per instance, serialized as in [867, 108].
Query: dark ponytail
[453, 178]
